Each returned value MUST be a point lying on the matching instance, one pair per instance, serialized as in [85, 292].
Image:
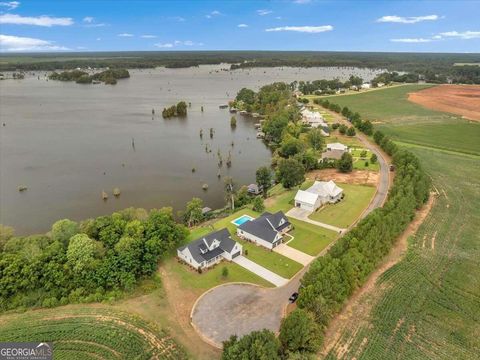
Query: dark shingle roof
[195, 247]
[262, 226]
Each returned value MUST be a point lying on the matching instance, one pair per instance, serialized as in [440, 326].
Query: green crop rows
[91, 333]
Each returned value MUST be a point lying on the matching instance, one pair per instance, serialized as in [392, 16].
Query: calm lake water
[68, 142]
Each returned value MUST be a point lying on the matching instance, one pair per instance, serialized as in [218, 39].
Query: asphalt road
[238, 309]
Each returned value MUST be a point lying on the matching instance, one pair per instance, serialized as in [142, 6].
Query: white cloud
[10, 5]
[465, 35]
[10, 43]
[88, 19]
[302, 1]
[81, 48]
[242, 25]
[90, 22]
[408, 19]
[166, 45]
[263, 12]
[38, 21]
[304, 29]
[178, 18]
[278, 17]
[98, 39]
[213, 13]
[125, 35]
[411, 40]
[148, 36]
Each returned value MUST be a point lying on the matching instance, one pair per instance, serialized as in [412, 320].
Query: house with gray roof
[210, 250]
[266, 230]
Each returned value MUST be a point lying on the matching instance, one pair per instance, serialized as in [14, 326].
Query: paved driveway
[302, 215]
[268, 275]
[294, 254]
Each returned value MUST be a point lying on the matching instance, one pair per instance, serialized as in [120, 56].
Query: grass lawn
[190, 279]
[343, 214]
[359, 163]
[277, 263]
[310, 238]
[350, 141]
[281, 198]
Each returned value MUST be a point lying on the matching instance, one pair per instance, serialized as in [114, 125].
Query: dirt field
[357, 177]
[463, 100]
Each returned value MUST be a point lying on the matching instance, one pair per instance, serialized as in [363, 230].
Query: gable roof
[266, 226]
[200, 245]
[337, 146]
[325, 188]
[306, 197]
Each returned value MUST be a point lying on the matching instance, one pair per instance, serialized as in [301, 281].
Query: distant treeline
[109, 77]
[441, 65]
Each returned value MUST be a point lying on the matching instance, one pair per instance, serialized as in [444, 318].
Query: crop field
[83, 333]
[408, 122]
[427, 306]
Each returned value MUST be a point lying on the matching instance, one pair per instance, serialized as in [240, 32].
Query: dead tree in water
[133, 144]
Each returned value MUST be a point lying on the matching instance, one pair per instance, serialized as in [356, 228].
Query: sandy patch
[462, 100]
[357, 177]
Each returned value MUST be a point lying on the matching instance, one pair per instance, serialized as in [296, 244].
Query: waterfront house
[321, 192]
[266, 230]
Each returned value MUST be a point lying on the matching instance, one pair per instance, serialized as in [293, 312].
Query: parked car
[392, 168]
[293, 297]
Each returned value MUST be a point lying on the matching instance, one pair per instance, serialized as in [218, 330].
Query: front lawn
[191, 279]
[309, 238]
[281, 198]
[359, 162]
[344, 213]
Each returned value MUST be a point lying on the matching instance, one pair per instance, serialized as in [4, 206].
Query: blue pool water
[242, 219]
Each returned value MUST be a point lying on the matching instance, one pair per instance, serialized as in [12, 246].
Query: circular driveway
[238, 309]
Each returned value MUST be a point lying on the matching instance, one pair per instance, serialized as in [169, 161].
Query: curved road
[238, 309]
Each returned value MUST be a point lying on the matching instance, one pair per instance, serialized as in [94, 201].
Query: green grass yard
[310, 238]
[344, 213]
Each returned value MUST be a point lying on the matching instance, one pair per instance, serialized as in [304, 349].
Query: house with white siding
[337, 146]
[266, 230]
[321, 192]
[210, 250]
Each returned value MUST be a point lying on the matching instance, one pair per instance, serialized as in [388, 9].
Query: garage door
[235, 255]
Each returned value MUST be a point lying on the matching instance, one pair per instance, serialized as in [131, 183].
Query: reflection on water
[68, 142]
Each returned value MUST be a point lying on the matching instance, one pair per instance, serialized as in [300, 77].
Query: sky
[115, 25]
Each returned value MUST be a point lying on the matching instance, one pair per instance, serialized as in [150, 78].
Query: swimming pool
[242, 219]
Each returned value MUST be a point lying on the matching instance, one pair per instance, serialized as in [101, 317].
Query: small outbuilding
[337, 146]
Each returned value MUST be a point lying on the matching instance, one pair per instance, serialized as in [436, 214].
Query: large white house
[266, 230]
[314, 118]
[337, 146]
[210, 249]
[321, 192]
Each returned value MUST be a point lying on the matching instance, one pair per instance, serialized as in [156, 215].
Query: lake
[68, 142]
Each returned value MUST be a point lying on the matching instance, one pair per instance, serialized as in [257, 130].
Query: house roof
[202, 244]
[333, 154]
[266, 226]
[336, 146]
[325, 188]
[306, 197]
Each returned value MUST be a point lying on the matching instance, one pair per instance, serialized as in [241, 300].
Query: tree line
[175, 110]
[92, 260]
[109, 77]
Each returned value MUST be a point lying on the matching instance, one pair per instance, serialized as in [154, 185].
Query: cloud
[242, 25]
[465, 35]
[304, 29]
[98, 39]
[10, 43]
[411, 40]
[166, 45]
[213, 13]
[263, 12]
[148, 36]
[10, 5]
[91, 23]
[88, 19]
[125, 35]
[37, 21]
[178, 18]
[302, 1]
[408, 19]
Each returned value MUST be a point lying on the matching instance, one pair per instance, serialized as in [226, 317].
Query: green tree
[264, 179]
[345, 164]
[291, 147]
[363, 154]
[63, 230]
[351, 131]
[316, 139]
[193, 212]
[83, 252]
[300, 333]
[181, 108]
[373, 158]
[246, 95]
[6, 233]
[258, 204]
[290, 173]
[225, 272]
[229, 187]
[258, 345]
[342, 129]
[233, 122]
